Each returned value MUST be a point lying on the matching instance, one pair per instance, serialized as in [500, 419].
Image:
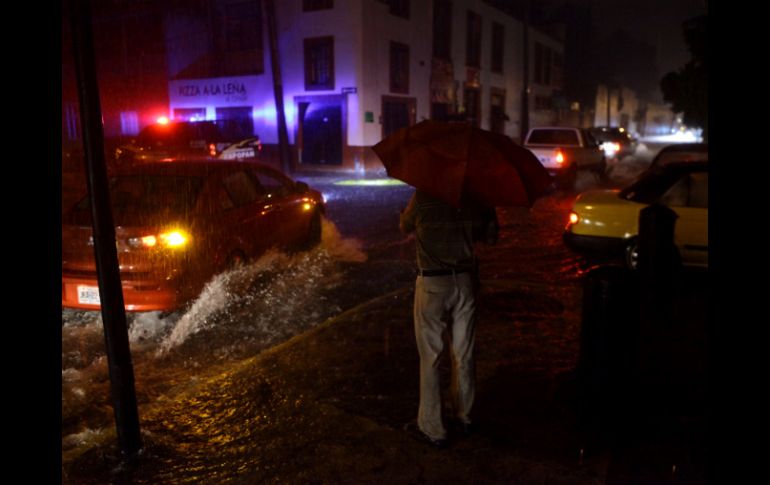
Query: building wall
[362, 32]
[540, 116]
[625, 114]
[380, 28]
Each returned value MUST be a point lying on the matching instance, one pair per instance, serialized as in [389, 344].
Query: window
[442, 29]
[190, 114]
[275, 186]
[399, 8]
[498, 41]
[311, 5]
[72, 121]
[557, 69]
[472, 106]
[242, 188]
[129, 122]
[689, 191]
[399, 68]
[319, 63]
[554, 137]
[543, 59]
[473, 40]
[243, 23]
[542, 102]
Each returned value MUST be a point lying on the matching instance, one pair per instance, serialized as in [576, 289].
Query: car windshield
[553, 137]
[150, 195]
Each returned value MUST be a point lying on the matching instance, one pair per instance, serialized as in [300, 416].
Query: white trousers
[434, 297]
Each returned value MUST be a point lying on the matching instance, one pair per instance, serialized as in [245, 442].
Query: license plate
[88, 295]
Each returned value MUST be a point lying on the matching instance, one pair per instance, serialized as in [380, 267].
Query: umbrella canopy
[462, 164]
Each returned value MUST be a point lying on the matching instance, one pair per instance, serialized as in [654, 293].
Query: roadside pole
[524, 126]
[275, 65]
[110, 290]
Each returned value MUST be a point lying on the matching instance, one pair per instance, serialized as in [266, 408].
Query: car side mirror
[301, 187]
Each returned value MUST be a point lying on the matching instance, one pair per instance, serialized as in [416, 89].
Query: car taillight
[212, 149]
[559, 157]
[573, 218]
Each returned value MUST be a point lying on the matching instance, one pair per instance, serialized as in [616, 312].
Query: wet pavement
[329, 404]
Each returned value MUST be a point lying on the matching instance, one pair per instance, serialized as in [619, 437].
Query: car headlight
[174, 239]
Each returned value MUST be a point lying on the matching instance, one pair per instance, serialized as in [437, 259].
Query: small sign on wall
[352, 90]
[368, 117]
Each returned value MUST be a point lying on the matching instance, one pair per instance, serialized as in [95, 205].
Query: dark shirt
[445, 234]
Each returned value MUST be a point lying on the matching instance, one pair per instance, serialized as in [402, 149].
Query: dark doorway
[497, 116]
[472, 105]
[440, 111]
[320, 131]
[397, 113]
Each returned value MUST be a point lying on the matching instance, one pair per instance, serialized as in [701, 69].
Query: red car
[177, 224]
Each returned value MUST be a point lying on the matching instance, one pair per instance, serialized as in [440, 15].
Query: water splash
[149, 326]
[84, 438]
[268, 300]
[338, 247]
[216, 296]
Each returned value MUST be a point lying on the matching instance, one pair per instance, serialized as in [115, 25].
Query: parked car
[163, 142]
[616, 142]
[248, 149]
[178, 224]
[605, 223]
[681, 152]
[563, 151]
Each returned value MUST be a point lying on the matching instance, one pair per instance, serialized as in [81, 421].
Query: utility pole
[107, 269]
[275, 64]
[525, 88]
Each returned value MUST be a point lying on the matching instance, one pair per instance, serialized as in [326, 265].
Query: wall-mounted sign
[352, 90]
[232, 91]
[368, 117]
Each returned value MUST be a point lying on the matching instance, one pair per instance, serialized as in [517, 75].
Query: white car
[564, 150]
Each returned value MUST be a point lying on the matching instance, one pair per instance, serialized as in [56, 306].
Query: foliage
[686, 89]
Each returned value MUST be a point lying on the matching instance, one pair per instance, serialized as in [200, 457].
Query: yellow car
[606, 222]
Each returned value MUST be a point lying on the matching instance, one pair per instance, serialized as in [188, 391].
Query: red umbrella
[459, 163]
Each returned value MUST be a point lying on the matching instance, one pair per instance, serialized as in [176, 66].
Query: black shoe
[463, 428]
[416, 433]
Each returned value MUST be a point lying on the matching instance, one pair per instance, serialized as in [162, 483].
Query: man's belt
[441, 272]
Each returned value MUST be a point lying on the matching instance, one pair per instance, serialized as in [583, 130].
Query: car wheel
[631, 254]
[601, 170]
[314, 232]
[568, 179]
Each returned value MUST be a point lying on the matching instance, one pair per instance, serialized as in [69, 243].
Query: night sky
[657, 22]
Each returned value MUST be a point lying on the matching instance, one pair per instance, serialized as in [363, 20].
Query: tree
[687, 88]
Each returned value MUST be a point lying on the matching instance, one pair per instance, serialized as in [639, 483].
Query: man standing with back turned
[446, 285]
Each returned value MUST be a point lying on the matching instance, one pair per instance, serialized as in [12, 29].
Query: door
[497, 116]
[688, 197]
[320, 131]
[397, 113]
[291, 218]
[248, 217]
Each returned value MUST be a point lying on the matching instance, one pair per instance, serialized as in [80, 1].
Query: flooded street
[363, 263]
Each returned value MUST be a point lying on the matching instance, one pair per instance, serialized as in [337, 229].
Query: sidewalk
[329, 406]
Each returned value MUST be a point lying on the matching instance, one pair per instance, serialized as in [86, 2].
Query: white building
[354, 71]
